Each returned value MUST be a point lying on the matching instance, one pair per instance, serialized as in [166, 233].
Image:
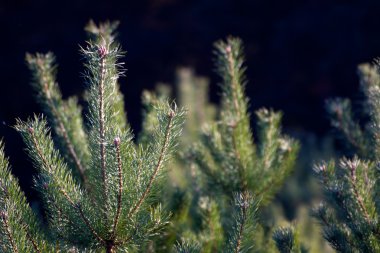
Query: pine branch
[4, 220]
[193, 93]
[119, 197]
[105, 215]
[50, 169]
[230, 67]
[103, 71]
[228, 154]
[286, 239]
[65, 116]
[241, 226]
[352, 167]
[17, 219]
[349, 214]
[340, 112]
[34, 243]
[239, 237]
[187, 247]
[55, 181]
[161, 158]
[77, 207]
[229, 63]
[105, 32]
[213, 233]
[102, 55]
[347, 217]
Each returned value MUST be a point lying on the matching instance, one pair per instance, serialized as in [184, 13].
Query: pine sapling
[96, 184]
[237, 173]
[350, 208]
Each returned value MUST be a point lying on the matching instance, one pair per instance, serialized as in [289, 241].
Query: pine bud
[171, 113]
[102, 51]
[232, 124]
[3, 215]
[116, 141]
[228, 49]
[31, 130]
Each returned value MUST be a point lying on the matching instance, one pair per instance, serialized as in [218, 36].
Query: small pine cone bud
[31, 130]
[232, 124]
[102, 51]
[3, 215]
[244, 204]
[171, 113]
[45, 186]
[117, 141]
[228, 49]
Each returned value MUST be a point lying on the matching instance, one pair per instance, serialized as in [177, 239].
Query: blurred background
[299, 53]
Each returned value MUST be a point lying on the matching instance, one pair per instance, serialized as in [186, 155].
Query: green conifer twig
[161, 158]
[120, 175]
[43, 67]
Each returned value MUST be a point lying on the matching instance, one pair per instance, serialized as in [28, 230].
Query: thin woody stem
[25, 227]
[49, 167]
[234, 82]
[234, 86]
[61, 212]
[39, 152]
[102, 70]
[238, 157]
[65, 136]
[8, 233]
[242, 224]
[58, 118]
[119, 166]
[358, 198]
[82, 215]
[32, 240]
[157, 167]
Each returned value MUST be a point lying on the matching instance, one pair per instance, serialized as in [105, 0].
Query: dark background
[298, 52]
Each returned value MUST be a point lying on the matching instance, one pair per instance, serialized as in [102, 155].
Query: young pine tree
[236, 175]
[229, 176]
[350, 209]
[98, 187]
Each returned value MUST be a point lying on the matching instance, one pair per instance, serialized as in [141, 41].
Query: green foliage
[287, 241]
[187, 247]
[111, 206]
[64, 115]
[342, 119]
[349, 211]
[193, 93]
[363, 139]
[19, 227]
[239, 239]
[227, 152]
[231, 172]
[348, 214]
[102, 191]
[106, 33]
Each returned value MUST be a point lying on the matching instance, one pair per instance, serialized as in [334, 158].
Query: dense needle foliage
[96, 184]
[350, 208]
[105, 191]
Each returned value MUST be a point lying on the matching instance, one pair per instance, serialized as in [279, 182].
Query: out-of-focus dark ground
[298, 52]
